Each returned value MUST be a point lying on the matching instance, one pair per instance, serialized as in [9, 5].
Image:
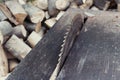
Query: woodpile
[23, 23]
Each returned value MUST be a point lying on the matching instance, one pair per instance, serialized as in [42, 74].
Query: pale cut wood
[73, 5]
[35, 14]
[118, 7]
[47, 16]
[22, 2]
[94, 8]
[2, 16]
[34, 38]
[3, 63]
[12, 64]
[106, 5]
[17, 47]
[6, 28]
[5, 77]
[42, 4]
[87, 4]
[50, 22]
[62, 4]
[1, 38]
[20, 31]
[60, 14]
[38, 27]
[52, 10]
[8, 14]
[17, 10]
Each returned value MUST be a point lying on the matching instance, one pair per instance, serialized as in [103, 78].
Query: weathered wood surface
[40, 63]
[17, 47]
[95, 54]
[52, 10]
[3, 62]
[17, 10]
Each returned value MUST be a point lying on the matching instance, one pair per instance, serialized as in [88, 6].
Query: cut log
[38, 27]
[52, 10]
[17, 10]
[42, 4]
[60, 14]
[1, 37]
[118, 7]
[73, 5]
[47, 16]
[100, 3]
[87, 4]
[12, 64]
[9, 55]
[50, 22]
[3, 63]
[17, 47]
[34, 38]
[8, 14]
[2, 16]
[32, 26]
[62, 4]
[95, 54]
[43, 59]
[6, 28]
[35, 14]
[22, 2]
[20, 31]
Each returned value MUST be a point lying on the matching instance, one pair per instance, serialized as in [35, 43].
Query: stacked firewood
[24, 23]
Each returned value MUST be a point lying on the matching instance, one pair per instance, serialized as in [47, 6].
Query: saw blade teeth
[66, 33]
[65, 37]
[61, 50]
[62, 45]
[60, 54]
[63, 41]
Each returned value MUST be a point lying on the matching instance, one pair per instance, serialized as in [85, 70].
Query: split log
[94, 8]
[20, 31]
[60, 14]
[38, 27]
[6, 28]
[52, 10]
[47, 16]
[12, 64]
[95, 53]
[1, 38]
[35, 14]
[9, 55]
[50, 22]
[3, 63]
[62, 4]
[17, 10]
[8, 14]
[87, 4]
[17, 47]
[32, 26]
[73, 5]
[43, 59]
[101, 3]
[34, 38]
[2, 16]
[118, 4]
[5, 77]
[42, 4]
[22, 2]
